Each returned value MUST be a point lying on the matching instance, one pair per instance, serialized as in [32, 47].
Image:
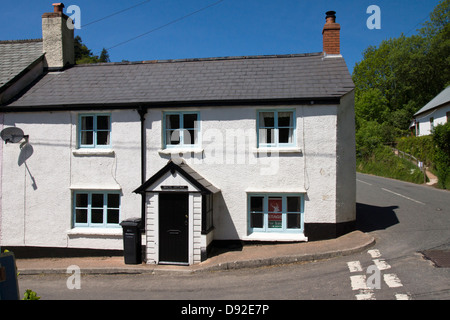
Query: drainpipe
[142, 112]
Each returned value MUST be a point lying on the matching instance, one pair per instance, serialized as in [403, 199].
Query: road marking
[362, 284]
[354, 266]
[363, 182]
[402, 296]
[381, 264]
[365, 295]
[392, 280]
[375, 253]
[359, 282]
[400, 195]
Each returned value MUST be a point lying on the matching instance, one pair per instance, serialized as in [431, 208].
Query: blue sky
[230, 28]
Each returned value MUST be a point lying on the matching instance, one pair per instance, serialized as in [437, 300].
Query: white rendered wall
[228, 158]
[346, 161]
[439, 116]
[37, 196]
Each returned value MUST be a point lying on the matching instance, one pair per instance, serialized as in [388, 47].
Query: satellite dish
[12, 135]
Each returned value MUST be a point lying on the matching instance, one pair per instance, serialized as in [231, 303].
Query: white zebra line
[359, 282]
[354, 266]
[365, 295]
[402, 296]
[375, 253]
[381, 264]
[392, 280]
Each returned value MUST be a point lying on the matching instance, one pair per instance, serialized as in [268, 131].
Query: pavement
[247, 256]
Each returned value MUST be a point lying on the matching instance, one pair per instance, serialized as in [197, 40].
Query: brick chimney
[57, 37]
[331, 35]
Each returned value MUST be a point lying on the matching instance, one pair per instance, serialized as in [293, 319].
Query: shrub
[441, 139]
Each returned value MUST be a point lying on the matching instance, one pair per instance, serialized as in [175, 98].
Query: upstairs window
[276, 128]
[94, 131]
[181, 129]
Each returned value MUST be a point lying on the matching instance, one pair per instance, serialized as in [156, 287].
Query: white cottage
[434, 113]
[255, 148]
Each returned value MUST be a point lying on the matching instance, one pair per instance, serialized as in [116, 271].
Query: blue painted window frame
[181, 130]
[276, 129]
[284, 213]
[89, 209]
[95, 131]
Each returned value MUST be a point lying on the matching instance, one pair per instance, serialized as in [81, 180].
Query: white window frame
[181, 131]
[284, 213]
[89, 208]
[94, 130]
[276, 129]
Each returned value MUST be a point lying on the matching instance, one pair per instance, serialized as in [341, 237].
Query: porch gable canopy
[194, 178]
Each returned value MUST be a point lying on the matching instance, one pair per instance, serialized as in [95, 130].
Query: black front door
[173, 228]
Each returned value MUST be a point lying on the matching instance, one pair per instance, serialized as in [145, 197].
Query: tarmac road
[405, 219]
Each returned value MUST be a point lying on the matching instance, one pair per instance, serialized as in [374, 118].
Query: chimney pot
[58, 7]
[331, 17]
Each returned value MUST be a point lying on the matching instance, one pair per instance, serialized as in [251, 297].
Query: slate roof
[301, 76]
[16, 56]
[439, 100]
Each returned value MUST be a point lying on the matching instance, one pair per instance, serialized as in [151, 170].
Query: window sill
[266, 150]
[93, 152]
[181, 150]
[102, 232]
[275, 236]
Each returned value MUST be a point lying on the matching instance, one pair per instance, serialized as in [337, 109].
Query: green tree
[371, 105]
[397, 78]
[104, 56]
[83, 55]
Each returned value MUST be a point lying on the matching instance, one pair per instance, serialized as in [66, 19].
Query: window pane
[266, 135]
[190, 120]
[87, 138]
[256, 220]
[285, 135]
[113, 216]
[275, 215]
[113, 200]
[103, 123]
[189, 136]
[275, 220]
[266, 119]
[81, 200]
[97, 200]
[293, 204]
[173, 136]
[293, 221]
[275, 204]
[256, 204]
[172, 121]
[87, 123]
[285, 119]
[81, 216]
[103, 138]
[97, 216]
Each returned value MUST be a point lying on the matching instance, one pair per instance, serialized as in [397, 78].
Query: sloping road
[406, 219]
